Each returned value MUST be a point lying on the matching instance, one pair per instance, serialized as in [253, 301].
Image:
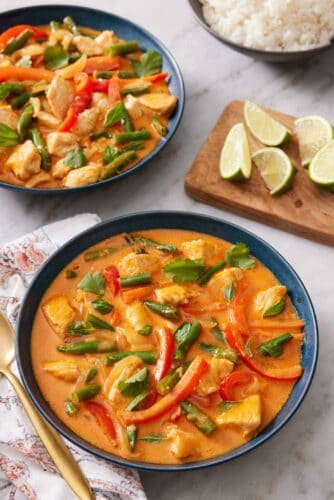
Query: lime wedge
[313, 133]
[275, 168]
[235, 159]
[321, 169]
[269, 131]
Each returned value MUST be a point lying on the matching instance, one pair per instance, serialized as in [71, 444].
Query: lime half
[321, 169]
[313, 133]
[275, 168]
[269, 131]
[235, 159]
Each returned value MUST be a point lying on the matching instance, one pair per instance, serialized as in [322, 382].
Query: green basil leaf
[8, 136]
[152, 438]
[184, 270]
[216, 331]
[229, 292]
[56, 57]
[94, 283]
[185, 336]
[275, 309]
[117, 114]
[136, 384]
[24, 62]
[239, 256]
[274, 347]
[79, 328]
[98, 323]
[135, 402]
[75, 158]
[218, 352]
[149, 63]
[102, 306]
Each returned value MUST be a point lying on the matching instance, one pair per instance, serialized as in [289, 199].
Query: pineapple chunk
[199, 249]
[134, 263]
[269, 297]
[210, 382]
[65, 369]
[245, 414]
[59, 313]
[183, 443]
[174, 294]
[137, 315]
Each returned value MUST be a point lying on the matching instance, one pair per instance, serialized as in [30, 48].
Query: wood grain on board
[306, 209]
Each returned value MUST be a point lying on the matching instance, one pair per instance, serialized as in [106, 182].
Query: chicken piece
[25, 160]
[65, 369]
[133, 106]
[58, 313]
[137, 315]
[86, 122]
[83, 176]
[60, 95]
[64, 37]
[36, 104]
[8, 117]
[222, 279]
[269, 297]
[210, 382]
[199, 249]
[159, 102]
[48, 120]
[245, 414]
[121, 371]
[134, 263]
[101, 103]
[59, 170]
[184, 443]
[87, 46]
[37, 179]
[60, 143]
[45, 104]
[106, 38]
[174, 294]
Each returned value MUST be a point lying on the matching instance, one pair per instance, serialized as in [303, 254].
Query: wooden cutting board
[306, 209]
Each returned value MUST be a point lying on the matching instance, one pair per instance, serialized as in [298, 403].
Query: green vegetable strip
[25, 121]
[185, 336]
[131, 431]
[165, 310]
[8, 136]
[126, 74]
[17, 43]
[97, 135]
[71, 25]
[119, 162]
[39, 142]
[207, 275]
[98, 253]
[94, 346]
[123, 137]
[104, 75]
[135, 402]
[133, 146]
[167, 383]
[78, 328]
[159, 127]
[122, 48]
[274, 347]
[138, 279]
[98, 323]
[165, 247]
[148, 357]
[70, 408]
[86, 392]
[91, 375]
[19, 100]
[200, 419]
[134, 91]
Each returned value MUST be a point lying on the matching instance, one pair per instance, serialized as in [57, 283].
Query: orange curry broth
[273, 393]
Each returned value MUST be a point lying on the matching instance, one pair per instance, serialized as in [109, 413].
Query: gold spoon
[56, 447]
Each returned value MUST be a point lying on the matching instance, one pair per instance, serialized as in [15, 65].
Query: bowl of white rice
[270, 30]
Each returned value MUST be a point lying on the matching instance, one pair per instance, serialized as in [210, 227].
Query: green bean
[131, 431]
[98, 323]
[105, 75]
[148, 357]
[134, 146]
[10, 88]
[134, 90]
[123, 137]
[98, 253]
[70, 274]
[101, 133]
[25, 121]
[120, 161]
[40, 144]
[19, 100]
[70, 408]
[86, 392]
[207, 275]
[165, 310]
[159, 127]
[122, 48]
[167, 383]
[137, 279]
[91, 375]
[185, 335]
[196, 416]
[71, 25]
[126, 74]
[17, 43]
[93, 346]
[145, 330]
[164, 247]
[102, 306]
[54, 26]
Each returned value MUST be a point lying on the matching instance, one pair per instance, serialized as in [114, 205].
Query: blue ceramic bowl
[100, 20]
[172, 220]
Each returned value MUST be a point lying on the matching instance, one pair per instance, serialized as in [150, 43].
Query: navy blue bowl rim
[183, 217]
[160, 145]
[257, 52]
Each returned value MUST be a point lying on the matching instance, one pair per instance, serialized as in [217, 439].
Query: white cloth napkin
[26, 470]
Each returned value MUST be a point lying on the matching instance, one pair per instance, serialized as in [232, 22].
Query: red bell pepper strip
[111, 275]
[15, 31]
[69, 122]
[228, 384]
[102, 417]
[166, 350]
[181, 391]
[114, 91]
[102, 63]
[156, 78]
[18, 73]
[81, 101]
[100, 86]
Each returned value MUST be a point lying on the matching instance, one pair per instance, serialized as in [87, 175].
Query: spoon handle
[52, 441]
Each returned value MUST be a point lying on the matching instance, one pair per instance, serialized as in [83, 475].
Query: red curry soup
[166, 346]
[77, 106]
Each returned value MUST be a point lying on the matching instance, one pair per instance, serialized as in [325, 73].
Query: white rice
[279, 25]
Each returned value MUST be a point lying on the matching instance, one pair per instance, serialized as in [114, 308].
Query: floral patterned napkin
[26, 470]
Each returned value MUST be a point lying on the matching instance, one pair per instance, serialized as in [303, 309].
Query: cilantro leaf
[274, 347]
[8, 136]
[239, 256]
[184, 270]
[93, 283]
[185, 336]
[149, 63]
[75, 158]
[117, 114]
[56, 57]
[136, 384]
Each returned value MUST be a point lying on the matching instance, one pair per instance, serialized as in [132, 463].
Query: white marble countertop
[298, 462]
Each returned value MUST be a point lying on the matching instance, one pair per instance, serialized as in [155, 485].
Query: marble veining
[298, 462]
